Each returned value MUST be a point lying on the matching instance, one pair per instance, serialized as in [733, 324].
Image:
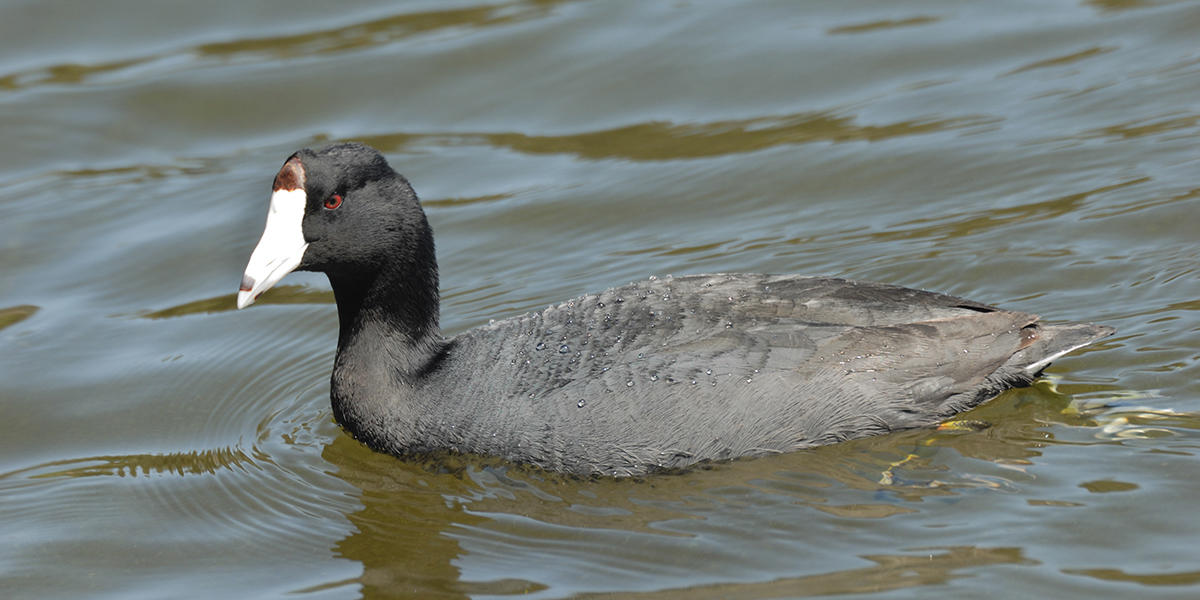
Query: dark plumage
[654, 375]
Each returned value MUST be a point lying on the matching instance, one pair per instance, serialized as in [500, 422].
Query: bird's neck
[388, 342]
[389, 317]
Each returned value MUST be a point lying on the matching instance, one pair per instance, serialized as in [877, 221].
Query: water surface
[1037, 155]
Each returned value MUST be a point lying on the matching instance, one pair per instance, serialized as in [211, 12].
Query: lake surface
[156, 443]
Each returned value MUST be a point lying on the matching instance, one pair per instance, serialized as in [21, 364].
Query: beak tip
[244, 299]
[245, 295]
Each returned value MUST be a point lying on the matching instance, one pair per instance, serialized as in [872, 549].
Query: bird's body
[655, 375]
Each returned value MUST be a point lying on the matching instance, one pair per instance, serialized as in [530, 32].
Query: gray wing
[712, 366]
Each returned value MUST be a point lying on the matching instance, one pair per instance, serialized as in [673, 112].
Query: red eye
[333, 201]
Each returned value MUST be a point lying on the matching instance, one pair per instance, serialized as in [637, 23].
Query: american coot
[654, 375]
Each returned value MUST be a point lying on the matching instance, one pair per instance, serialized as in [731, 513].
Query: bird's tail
[1048, 342]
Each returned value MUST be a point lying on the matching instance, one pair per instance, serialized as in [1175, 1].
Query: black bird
[656, 375]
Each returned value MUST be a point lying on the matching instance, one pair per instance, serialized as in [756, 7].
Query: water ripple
[375, 32]
[1065, 59]
[661, 140]
[201, 462]
[368, 33]
[973, 222]
[891, 572]
[12, 315]
[884, 24]
[279, 295]
[271, 489]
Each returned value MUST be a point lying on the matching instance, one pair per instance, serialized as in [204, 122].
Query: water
[157, 443]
